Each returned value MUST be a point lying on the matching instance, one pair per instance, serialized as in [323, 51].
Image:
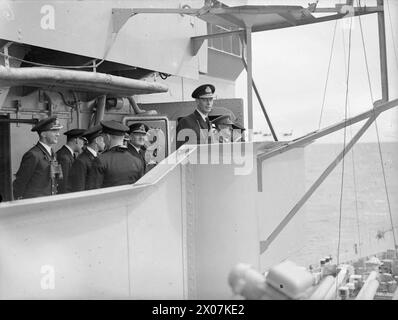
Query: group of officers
[108, 154]
[99, 157]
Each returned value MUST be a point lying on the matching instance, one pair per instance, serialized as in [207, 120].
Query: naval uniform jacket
[195, 122]
[33, 177]
[65, 159]
[139, 155]
[81, 172]
[116, 167]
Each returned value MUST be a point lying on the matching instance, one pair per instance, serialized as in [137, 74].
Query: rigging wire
[353, 165]
[327, 75]
[354, 177]
[378, 137]
[353, 161]
[371, 95]
[355, 184]
[345, 139]
[356, 198]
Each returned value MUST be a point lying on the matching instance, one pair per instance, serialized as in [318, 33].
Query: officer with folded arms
[39, 170]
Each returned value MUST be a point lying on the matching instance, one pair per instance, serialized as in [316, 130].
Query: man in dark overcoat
[39, 170]
[136, 145]
[82, 169]
[194, 128]
[66, 155]
[115, 166]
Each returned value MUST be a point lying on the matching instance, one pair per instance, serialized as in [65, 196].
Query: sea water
[360, 218]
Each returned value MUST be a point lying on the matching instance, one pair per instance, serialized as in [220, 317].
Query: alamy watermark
[214, 149]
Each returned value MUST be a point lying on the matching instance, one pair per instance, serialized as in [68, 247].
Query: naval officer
[136, 146]
[194, 128]
[81, 172]
[39, 170]
[115, 166]
[227, 130]
[67, 154]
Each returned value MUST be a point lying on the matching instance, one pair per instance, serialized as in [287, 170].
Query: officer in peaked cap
[47, 124]
[225, 120]
[67, 154]
[115, 166]
[39, 170]
[92, 133]
[141, 128]
[204, 91]
[136, 146]
[81, 176]
[114, 128]
[195, 127]
[227, 130]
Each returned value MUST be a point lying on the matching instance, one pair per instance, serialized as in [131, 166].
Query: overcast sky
[290, 68]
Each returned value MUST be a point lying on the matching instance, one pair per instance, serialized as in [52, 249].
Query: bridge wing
[258, 17]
